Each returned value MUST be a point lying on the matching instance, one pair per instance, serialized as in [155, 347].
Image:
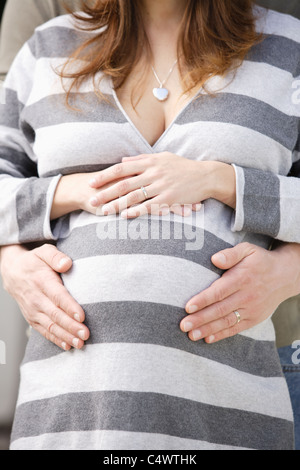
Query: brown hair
[215, 36]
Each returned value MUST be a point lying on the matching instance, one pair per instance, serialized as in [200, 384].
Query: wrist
[10, 252]
[64, 201]
[8, 255]
[223, 183]
[289, 261]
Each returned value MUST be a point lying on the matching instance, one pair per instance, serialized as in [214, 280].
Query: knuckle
[39, 282]
[246, 279]
[148, 160]
[33, 302]
[250, 248]
[134, 197]
[56, 299]
[32, 315]
[47, 251]
[55, 258]
[165, 154]
[247, 245]
[169, 194]
[155, 172]
[228, 321]
[220, 310]
[203, 299]
[55, 316]
[218, 293]
[41, 249]
[123, 186]
[250, 297]
[117, 169]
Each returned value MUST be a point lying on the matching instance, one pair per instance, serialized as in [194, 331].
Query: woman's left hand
[167, 179]
[256, 281]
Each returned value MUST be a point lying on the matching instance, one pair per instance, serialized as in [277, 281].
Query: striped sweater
[139, 382]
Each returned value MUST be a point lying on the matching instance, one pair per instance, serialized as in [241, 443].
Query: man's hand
[256, 281]
[32, 279]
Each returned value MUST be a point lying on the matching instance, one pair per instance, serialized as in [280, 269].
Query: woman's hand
[74, 193]
[31, 278]
[168, 179]
[255, 283]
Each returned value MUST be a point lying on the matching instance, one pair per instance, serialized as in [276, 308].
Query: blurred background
[13, 333]
[12, 325]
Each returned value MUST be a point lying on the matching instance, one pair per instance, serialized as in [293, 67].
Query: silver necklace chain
[161, 84]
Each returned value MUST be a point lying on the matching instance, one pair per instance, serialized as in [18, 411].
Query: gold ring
[50, 327]
[238, 317]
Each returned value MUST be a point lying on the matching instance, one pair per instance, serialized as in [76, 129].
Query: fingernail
[220, 258]
[81, 334]
[210, 339]
[93, 182]
[94, 201]
[62, 263]
[107, 209]
[193, 309]
[196, 334]
[187, 326]
[77, 317]
[64, 346]
[75, 342]
[187, 211]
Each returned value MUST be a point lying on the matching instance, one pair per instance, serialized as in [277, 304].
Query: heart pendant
[161, 94]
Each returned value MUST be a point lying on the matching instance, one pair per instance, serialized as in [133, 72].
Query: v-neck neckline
[151, 148]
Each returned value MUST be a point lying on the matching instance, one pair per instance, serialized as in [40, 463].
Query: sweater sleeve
[25, 199]
[268, 203]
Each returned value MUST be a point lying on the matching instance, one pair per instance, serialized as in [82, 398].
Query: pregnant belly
[134, 289]
[137, 274]
[149, 259]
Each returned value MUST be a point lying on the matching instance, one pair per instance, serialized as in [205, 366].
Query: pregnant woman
[162, 106]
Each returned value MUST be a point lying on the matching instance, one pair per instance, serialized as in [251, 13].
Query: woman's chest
[242, 123]
[152, 105]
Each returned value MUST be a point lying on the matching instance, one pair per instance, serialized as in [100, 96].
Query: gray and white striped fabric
[140, 383]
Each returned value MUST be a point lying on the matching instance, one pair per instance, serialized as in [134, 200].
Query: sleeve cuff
[48, 231]
[257, 202]
[238, 215]
[33, 204]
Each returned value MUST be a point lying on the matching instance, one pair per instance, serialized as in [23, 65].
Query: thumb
[230, 257]
[57, 260]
